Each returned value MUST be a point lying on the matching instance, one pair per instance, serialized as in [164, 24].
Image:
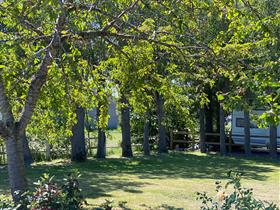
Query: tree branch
[90, 34]
[40, 76]
[117, 47]
[24, 21]
[131, 6]
[5, 107]
[35, 87]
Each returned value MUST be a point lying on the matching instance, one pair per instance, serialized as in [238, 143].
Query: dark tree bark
[209, 119]
[273, 141]
[217, 111]
[247, 135]
[209, 113]
[222, 130]
[162, 147]
[101, 144]
[78, 144]
[48, 151]
[26, 151]
[202, 130]
[125, 125]
[146, 130]
[16, 170]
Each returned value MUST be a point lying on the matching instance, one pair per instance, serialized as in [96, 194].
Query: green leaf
[220, 97]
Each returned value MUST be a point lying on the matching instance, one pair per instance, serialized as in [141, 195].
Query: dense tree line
[61, 57]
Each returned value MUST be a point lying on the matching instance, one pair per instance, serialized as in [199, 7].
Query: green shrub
[73, 194]
[111, 205]
[6, 203]
[48, 195]
[240, 198]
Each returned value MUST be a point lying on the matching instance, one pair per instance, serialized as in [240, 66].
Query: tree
[101, 144]
[162, 148]
[48, 41]
[248, 46]
[125, 125]
[12, 129]
[222, 130]
[26, 151]
[43, 42]
[202, 130]
[273, 141]
[78, 145]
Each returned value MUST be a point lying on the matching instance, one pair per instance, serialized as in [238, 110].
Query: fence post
[2, 154]
[230, 142]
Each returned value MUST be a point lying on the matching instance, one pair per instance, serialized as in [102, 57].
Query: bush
[240, 198]
[48, 195]
[111, 205]
[73, 194]
[6, 203]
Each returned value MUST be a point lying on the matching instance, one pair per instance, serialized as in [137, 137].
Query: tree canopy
[56, 55]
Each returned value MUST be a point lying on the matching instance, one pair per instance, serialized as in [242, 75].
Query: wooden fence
[177, 138]
[187, 141]
[43, 153]
[183, 138]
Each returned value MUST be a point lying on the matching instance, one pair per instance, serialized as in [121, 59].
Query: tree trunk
[273, 141]
[48, 151]
[126, 136]
[209, 120]
[146, 145]
[222, 130]
[217, 111]
[208, 113]
[16, 169]
[26, 151]
[101, 144]
[78, 144]
[11, 130]
[161, 129]
[202, 130]
[247, 142]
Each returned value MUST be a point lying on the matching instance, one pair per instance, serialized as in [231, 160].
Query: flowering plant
[48, 195]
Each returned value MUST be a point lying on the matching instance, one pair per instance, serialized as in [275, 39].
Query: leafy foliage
[176, 48]
[57, 55]
[240, 198]
[49, 195]
[111, 205]
[6, 203]
[73, 194]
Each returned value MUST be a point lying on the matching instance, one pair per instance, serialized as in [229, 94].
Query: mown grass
[170, 180]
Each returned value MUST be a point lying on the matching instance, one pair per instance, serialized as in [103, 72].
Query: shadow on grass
[100, 177]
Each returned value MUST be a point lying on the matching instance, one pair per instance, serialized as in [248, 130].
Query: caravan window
[241, 123]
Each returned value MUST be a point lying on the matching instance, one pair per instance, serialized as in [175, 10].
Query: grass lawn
[172, 179]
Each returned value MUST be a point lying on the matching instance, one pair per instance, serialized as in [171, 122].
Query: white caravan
[259, 136]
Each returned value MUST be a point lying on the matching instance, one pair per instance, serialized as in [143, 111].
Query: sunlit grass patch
[170, 180]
